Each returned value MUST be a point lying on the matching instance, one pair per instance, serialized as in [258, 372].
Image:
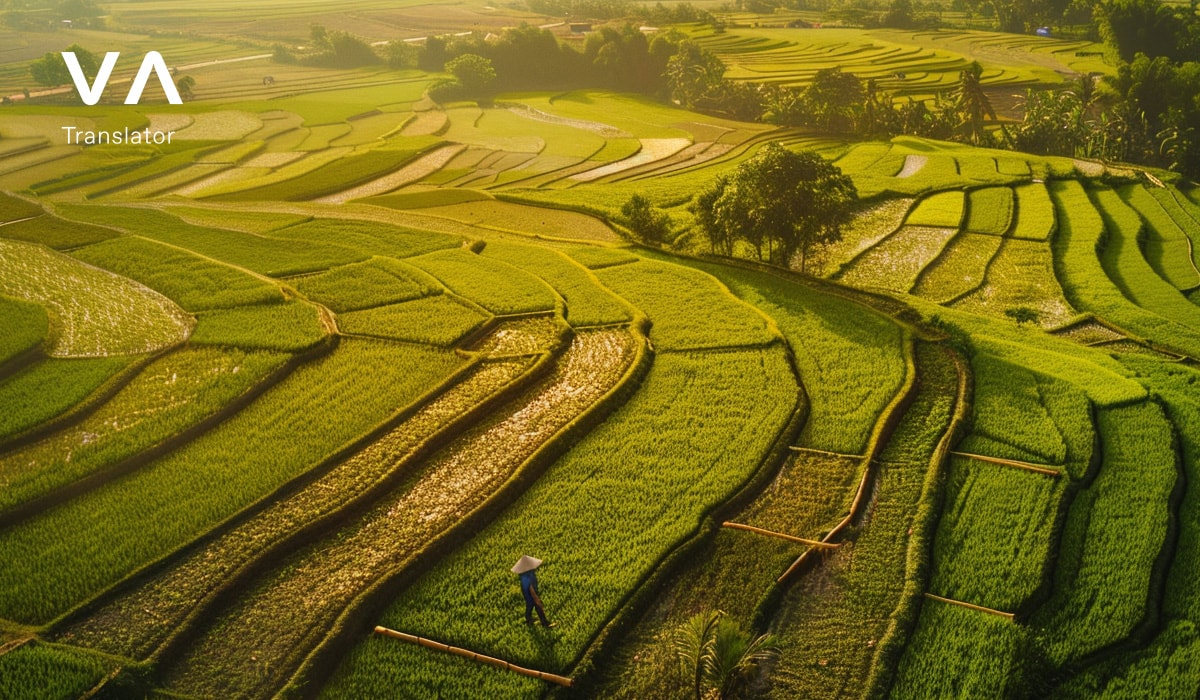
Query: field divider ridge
[476, 656]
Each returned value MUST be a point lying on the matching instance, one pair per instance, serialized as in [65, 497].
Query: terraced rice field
[341, 355]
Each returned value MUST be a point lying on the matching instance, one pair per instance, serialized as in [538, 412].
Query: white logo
[90, 94]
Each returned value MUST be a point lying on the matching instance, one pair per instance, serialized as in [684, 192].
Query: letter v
[90, 94]
[153, 60]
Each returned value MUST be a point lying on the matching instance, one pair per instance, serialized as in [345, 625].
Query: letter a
[153, 60]
[90, 94]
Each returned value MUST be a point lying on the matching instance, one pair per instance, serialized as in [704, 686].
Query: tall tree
[779, 202]
[971, 104]
[834, 100]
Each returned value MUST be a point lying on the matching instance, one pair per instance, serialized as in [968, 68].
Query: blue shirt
[528, 584]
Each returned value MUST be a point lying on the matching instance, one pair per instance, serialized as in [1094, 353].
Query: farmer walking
[524, 568]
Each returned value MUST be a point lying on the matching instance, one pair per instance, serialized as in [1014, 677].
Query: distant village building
[580, 27]
[67, 24]
[1043, 31]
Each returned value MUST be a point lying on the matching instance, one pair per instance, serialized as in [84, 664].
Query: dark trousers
[530, 606]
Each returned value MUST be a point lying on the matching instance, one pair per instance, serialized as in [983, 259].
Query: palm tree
[971, 103]
[184, 85]
[719, 656]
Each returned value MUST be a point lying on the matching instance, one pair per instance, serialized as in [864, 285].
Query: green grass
[375, 282]
[941, 210]
[439, 320]
[262, 254]
[194, 282]
[989, 210]
[65, 555]
[588, 303]
[25, 327]
[92, 312]
[167, 397]
[290, 326]
[50, 387]
[580, 583]
[670, 295]
[496, 286]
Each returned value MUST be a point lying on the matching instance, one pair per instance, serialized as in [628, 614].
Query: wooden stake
[1027, 466]
[780, 535]
[972, 606]
[827, 453]
[475, 656]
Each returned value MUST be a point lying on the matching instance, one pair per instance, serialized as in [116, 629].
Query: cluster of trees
[779, 203]
[330, 49]
[41, 15]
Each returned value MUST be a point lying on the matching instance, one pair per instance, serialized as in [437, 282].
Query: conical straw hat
[526, 563]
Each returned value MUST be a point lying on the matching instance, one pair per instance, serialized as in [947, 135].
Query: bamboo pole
[780, 535]
[971, 606]
[475, 656]
[810, 450]
[1027, 466]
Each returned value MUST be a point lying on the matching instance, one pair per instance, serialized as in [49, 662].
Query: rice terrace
[763, 349]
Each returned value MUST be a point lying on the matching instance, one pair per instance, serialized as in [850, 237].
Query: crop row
[587, 301]
[1112, 538]
[53, 232]
[25, 328]
[92, 312]
[671, 294]
[1035, 212]
[375, 282]
[37, 670]
[1011, 420]
[941, 210]
[166, 397]
[896, 262]
[1166, 245]
[960, 269]
[496, 286]
[828, 634]
[868, 227]
[133, 623]
[850, 359]
[290, 327]
[989, 210]
[674, 451]
[367, 238]
[441, 320]
[65, 555]
[1080, 239]
[193, 282]
[1021, 275]
[332, 572]
[959, 653]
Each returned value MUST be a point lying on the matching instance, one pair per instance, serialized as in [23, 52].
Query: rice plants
[14, 208]
[1112, 537]
[941, 210]
[587, 302]
[896, 262]
[290, 326]
[1166, 245]
[374, 282]
[1184, 213]
[224, 217]
[960, 269]
[366, 237]
[67, 554]
[440, 320]
[1021, 275]
[1086, 280]
[595, 257]
[989, 210]
[261, 254]
[25, 327]
[133, 624]
[193, 282]
[868, 227]
[332, 572]
[496, 286]
[50, 387]
[670, 295]
[829, 625]
[1035, 212]
[955, 652]
[1009, 411]
[54, 232]
[850, 358]
[92, 312]
[38, 671]
[166, 397]
[688, 470]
